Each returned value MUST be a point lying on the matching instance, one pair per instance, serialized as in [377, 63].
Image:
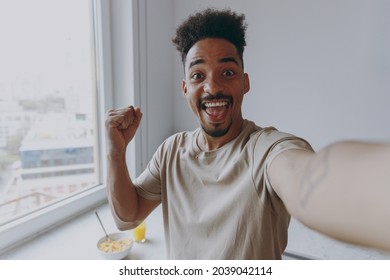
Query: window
[49, 137]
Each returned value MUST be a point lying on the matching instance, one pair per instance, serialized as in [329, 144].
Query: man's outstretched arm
[342, 191]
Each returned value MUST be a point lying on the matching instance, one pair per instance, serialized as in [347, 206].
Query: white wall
[318, 69]
[154, 72]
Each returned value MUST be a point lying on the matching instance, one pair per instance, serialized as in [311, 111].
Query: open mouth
[216, 109]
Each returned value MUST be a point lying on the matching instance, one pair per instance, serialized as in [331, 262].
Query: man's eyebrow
[222, 60]
[196, 62]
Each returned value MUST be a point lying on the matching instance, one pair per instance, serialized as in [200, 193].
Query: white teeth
[215, 104]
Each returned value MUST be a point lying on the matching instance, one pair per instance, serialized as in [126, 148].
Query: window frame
[105, 38]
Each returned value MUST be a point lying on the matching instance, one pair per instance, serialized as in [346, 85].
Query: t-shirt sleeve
[148, 183]
[269, 144]
[286, 143]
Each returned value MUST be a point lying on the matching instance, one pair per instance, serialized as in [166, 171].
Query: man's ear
[247, 85]
[184, 87]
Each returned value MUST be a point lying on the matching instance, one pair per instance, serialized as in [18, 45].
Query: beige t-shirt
[219, 204]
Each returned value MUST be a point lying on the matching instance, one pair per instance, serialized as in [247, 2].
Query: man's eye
[196, 76]
[229, 73]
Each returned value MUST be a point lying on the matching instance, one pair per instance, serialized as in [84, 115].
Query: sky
[45, 46]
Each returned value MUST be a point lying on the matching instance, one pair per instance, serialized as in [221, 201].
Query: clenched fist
[121, 126]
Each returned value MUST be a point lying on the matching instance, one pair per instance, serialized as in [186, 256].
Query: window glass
[48, 137]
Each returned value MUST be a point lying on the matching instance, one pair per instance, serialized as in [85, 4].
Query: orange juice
[139, 233]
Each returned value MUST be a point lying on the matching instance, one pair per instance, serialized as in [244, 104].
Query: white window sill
[76, 239]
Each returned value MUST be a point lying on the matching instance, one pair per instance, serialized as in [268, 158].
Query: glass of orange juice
[139, 233]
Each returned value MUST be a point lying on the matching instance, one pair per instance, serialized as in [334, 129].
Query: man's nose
[213, 86]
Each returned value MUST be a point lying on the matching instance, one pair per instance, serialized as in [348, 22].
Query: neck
[209, 143]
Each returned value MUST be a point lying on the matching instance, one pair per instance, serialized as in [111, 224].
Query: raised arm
[127, 207]
[342, 191]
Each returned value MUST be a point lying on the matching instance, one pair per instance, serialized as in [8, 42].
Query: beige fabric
[219, 204]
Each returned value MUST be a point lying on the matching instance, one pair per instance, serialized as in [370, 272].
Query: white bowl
[116, 252]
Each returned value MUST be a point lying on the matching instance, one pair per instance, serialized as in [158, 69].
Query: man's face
[214, 85]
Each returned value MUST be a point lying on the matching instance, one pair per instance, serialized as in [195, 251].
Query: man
[228, 188]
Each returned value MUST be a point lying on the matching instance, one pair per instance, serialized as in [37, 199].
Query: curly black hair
[211, 23]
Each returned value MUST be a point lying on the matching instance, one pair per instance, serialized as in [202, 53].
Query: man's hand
[121, 126]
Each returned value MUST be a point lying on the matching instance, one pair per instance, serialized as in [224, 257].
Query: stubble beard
[217, 133]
